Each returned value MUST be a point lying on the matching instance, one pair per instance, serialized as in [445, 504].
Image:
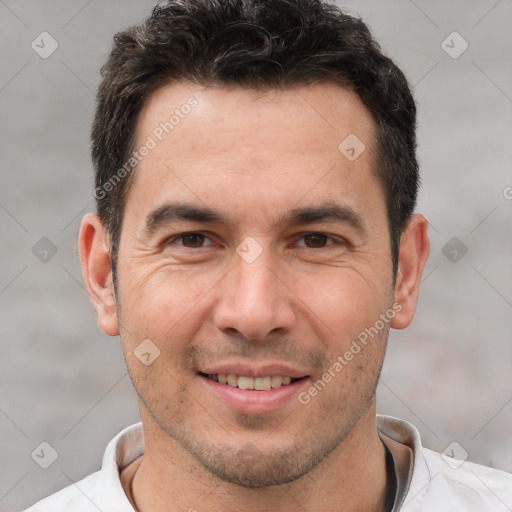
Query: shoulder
[479, 484]
[462, 485]
[101, 490]
[438, 482]
[79, 497]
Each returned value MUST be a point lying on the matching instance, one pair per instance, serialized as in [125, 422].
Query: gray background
[64, 382]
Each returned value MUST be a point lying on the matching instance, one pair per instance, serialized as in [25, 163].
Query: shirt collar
[128, 445]
[416, 475]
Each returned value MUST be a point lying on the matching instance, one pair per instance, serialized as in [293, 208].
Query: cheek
[160, 387]
[344, 300]
[161, 305]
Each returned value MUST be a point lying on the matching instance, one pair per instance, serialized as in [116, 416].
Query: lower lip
[252, 401]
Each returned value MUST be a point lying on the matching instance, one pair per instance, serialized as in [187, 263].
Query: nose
[254, 299]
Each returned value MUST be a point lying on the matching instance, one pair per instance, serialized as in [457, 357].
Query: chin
[256, 475]
[258, 466]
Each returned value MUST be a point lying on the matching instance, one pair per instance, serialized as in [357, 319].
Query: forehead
[224, 144]
[326, 112]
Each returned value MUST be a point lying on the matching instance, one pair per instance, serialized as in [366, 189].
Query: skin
[253, 156]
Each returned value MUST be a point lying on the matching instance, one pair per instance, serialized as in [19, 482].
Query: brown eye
[315, 240]
[192, 240]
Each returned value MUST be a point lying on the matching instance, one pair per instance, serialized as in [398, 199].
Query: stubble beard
[257, 465]
[251, 466]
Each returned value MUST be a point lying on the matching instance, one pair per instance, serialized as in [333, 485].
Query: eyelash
[312, 233]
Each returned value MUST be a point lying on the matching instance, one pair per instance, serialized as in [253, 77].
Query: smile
[253, 395]
[251, 383]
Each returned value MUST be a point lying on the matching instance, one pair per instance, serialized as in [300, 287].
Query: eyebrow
[175, 212]
[324, 212]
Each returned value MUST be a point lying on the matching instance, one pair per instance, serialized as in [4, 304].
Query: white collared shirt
[426, 481]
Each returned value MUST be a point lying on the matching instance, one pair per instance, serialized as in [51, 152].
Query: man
[254, 243]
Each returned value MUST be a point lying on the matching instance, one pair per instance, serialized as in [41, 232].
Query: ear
[96, 268]
[414, 251]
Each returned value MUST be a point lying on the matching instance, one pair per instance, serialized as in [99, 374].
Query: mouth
[252, 391]
[248, 383]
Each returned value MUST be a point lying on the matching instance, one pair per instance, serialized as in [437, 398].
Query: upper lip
[249, 370]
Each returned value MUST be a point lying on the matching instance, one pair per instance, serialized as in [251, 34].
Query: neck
[351, 478]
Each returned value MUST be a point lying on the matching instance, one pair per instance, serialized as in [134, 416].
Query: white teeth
[232, 380]
[255, 383]
[277, 382]
[246, 382]
[262, 383]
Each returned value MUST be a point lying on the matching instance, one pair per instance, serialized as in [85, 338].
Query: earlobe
[96, 268]
[414, 251]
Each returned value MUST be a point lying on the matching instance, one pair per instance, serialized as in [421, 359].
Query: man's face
[255, 288]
